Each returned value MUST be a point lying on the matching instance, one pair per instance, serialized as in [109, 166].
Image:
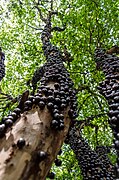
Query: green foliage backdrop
[88, 24]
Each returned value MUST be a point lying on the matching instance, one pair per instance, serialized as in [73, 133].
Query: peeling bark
[29, 148]
[34, 127]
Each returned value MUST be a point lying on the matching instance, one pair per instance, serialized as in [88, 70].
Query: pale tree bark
[25, 163]
[30, 146]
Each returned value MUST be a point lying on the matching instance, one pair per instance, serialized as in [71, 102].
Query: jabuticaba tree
[109, 88]
[33, 133]
[94, 164]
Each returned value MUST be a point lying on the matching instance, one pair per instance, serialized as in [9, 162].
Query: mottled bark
[25, 163]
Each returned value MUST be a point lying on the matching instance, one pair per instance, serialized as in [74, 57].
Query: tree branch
[58, 29]
[41, 16]
[35, 28]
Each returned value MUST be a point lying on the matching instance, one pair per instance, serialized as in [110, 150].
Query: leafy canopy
[88, 24]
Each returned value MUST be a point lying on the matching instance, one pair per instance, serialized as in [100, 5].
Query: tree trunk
[34, 159]
[29, 148]
[109, 63]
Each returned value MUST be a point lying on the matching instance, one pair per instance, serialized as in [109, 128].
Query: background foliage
[88, 24]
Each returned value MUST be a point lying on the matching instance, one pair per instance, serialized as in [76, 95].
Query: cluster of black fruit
[94, 165]
[57, 98]
[55, 92]
[53, 72]
[110, 89]
[2, 65]
[8, 121]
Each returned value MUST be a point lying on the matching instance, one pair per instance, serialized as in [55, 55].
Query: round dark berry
[56, 85]
[50, 92]
[41, 105]
[50, 105]
[57, 101]
[8, 123]
[27, 108]
[37, 99]
[43, 98]
[17, 111]
[50, 99]
[61, 126]
[58, 162]
[56, 92]
[62, 106]
[51, 175]
[55, 111]
[55, 106]
[28, 103]
[54, 124]
[21, 143]
[14, 115]
[41, 155]
[56, 115]
[10, 117]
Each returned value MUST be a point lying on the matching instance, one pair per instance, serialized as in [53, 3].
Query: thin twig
[7, 95]
[35, 28]
[41, 16]
[51, 7]
[38, 2]
[58, 29]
